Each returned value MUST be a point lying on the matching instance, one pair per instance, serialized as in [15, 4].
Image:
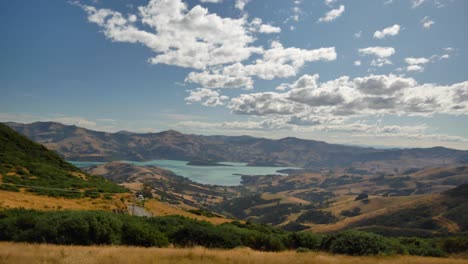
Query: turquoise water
[218, 175]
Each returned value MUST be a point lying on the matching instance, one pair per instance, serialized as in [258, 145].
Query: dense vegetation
[24, 162]
[102, 228]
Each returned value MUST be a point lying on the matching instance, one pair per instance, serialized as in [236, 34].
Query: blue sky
[368, 72]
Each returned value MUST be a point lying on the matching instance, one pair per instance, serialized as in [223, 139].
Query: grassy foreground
[42, 253]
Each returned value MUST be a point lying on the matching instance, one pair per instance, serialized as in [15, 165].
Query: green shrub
[421, 247]
[304, 240]
[356, 243]
[141, 234]
[457, 244]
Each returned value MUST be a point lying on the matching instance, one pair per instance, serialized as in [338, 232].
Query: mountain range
[418, 202]
[81, 144]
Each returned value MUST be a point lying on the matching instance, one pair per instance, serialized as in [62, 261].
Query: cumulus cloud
[179, 36]
[280, 62]
[416, 64]
[381, 52]
[209, 80]
[362, 96]
[240, 4]
[264, 104]
[207, 97]
[268, 29]
[195, 38]
[427, 23]
[389, 31]
[332, 14]
[414, 68]
[256, 25]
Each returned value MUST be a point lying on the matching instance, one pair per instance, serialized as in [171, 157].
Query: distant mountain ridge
[76, 143]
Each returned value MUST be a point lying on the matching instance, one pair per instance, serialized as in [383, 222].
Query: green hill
[29, 165]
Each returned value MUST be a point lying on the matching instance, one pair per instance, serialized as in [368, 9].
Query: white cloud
[209, 80]
[211, 1]
[207, 97]
[188, 38]
[240, 4]
[268, 29]
[415, 68]
[389, 31]
[359, 97]
[256, 25]
[427, 23]
[381, 52]
[195, 38]
[416, 64]
[332, 14]
[280, 62]
[357, 63]
[413, 61]
[264, 104]
[380, 62]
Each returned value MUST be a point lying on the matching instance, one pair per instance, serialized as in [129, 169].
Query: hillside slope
[422, 215]
[75, 143]
[27, 165]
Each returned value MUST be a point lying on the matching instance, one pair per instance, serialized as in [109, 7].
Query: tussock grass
[47, 203]
[41, 253]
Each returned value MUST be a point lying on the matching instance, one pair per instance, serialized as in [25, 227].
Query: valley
[425, 202]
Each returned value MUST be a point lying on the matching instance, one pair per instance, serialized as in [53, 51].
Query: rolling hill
[27, 165]
[34, 177]
[80, 144]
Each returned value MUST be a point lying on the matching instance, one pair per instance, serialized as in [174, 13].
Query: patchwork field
[34, 253]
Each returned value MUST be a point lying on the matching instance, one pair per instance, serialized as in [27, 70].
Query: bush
[451, 245]
[102, 228]
[141, 234]
[356, 243]
[304, 240]
[421, 247]
[206, 235]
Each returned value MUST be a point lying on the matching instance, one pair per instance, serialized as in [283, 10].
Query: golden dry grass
[35, 253]
[27, 200]
[163, 209]
[39, 202]
[377, 206]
